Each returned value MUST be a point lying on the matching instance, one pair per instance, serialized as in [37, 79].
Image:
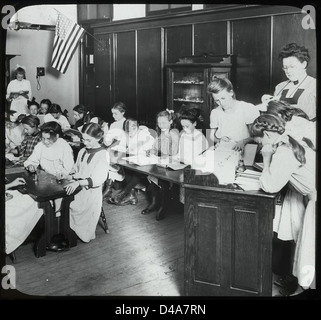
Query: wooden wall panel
[251, 44]
[125, 71]
[287, 29]
[178, 43]
[149, 75]
[210, 38]
[102, 75]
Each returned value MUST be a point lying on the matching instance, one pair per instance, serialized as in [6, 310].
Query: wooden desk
[174, 176]
[228, 234]
[43, 190]
[228, 239]
[12, 167]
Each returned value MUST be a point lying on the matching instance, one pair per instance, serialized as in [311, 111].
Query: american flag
[67, 36]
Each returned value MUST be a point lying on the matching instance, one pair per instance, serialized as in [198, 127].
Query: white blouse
[234, 124]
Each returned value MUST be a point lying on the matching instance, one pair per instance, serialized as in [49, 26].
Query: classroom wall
[34, 48]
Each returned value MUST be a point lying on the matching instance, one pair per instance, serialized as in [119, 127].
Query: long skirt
[22, 214]
[85, 212]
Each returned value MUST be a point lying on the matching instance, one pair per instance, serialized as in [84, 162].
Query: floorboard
[139, 257]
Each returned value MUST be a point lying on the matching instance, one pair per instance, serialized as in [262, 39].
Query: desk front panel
[228, 243]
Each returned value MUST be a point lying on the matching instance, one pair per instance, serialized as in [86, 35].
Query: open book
[23, 93]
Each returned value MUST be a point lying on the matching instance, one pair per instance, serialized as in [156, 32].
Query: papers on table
[142, 160]
[249, 180]
[221, 162]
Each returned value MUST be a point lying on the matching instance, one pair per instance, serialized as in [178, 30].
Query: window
[156, 9]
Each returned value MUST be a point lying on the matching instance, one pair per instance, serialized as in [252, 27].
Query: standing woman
[19, 91]
[89, 173]
[300, 88]
[288, 162]
[231, 119]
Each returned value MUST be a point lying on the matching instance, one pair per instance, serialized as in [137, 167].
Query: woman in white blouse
[231, 119]
[289, 162]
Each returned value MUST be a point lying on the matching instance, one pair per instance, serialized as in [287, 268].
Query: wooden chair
[104, 221]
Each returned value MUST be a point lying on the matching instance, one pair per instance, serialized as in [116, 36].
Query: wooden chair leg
[103, 218]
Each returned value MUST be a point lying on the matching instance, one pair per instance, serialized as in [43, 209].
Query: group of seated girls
[284, 133]
[54, 155]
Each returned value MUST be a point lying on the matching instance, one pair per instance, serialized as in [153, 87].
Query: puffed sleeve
[282, 166]
[214, 119]
[250, 113]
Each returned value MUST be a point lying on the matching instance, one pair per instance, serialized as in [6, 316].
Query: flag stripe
[65, 42]
[57, 46]
[72, 51]
[70, 46]
[62, 47]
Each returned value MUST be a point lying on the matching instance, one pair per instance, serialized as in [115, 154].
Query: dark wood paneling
[251, 45]
[102, 63]
[210, 38]
[87, 71]
[245, 250]
[149, 75]
[287, 29]
[178, 43]
[207, 225]
[125, 73]
[197, 16]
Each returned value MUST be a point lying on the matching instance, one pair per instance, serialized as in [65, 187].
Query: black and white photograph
[159, 151]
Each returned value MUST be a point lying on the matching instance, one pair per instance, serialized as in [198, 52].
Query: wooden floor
[139, 257]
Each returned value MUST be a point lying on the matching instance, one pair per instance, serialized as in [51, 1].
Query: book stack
[248, 180]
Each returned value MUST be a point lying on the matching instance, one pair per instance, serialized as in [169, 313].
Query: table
[42, 190]
[228, 234]
[228, 239]
[174, 176]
